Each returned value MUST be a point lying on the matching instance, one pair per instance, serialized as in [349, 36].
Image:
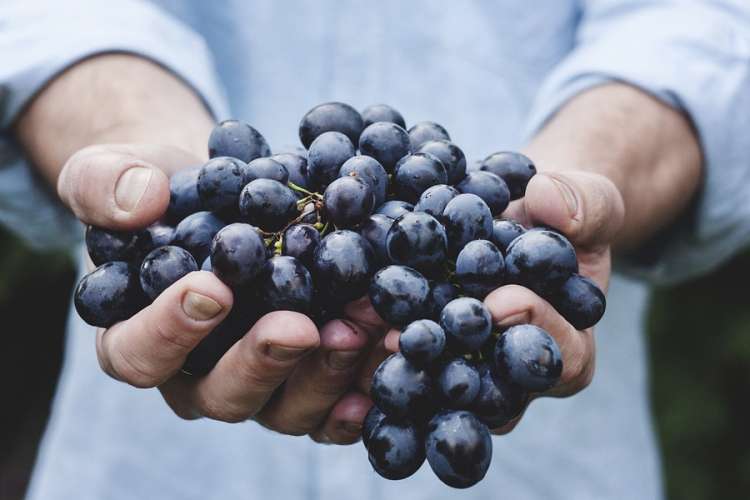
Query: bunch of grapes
[366, 207]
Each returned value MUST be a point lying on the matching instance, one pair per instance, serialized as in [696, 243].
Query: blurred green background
[699, 338]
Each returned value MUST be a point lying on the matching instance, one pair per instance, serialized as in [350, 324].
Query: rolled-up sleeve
[694, 56]
[40, 39]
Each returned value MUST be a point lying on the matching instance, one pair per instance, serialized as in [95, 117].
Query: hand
[283, 372]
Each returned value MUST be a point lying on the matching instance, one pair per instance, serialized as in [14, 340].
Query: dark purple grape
[395, 208]
[110, 293]
[467, 323]
[580, 301]
[466, 218]
[183, 195]
[107, 245]
[238, 253]
[284, 284]
[402, 390]
[458, 448]
[386, 142]
[300, 241]
[480, 268]
[296, 166]
[488, 186]
[396, 449]
[195, 233]
[504, 231]
[382, 113]
[343, 265]
[372, 419]
[237, 139]
[265, 168]
[370, 171]
[421, 342]
[400, 295]
[220, 182]
[514, 168]
[330, 117]
[458, 382]
[530, 357]
[449, 154]
[442, 293]
[349, 201]
[417, 240]
[541, 260]
[268, 204]
[499, 401]
[374, 230]
[163, 266]
[161, 234]
[434, 200]
[328, 152]
[414, 173]
[424, 131]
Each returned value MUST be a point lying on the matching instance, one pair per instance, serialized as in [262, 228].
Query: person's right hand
[283, 372]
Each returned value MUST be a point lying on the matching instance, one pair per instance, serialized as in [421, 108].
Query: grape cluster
[366, 207]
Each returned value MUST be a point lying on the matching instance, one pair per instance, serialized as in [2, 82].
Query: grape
[434, 200]
[370, 171]
[330, 117]
[514, 168]
[372, 418]
[417, 240]
[449, 154]
[161, 234]
[296, 166]
[163, 266]
[458, 448]
[530, 357]
[579, 300]
[374, 230]
[284, 284]
[349, 201]
[488, 186]
[195, 233]
[424, 131]
[421, 342]
[237, 139]
[504, 231]
[400, 294]
[343, 264]
[459, 383]
[467, 323]
[110, 293]
[416, 172]
[396, 449]
[442, 293]
[327, 154]
[183, 195]
[220, 181]
[395, 208]
[401, 390]
[480, 268]
[264, 168]
[382, 113]
[268, 204]
[300, 241]
[541, 260]
[238, 253]
[466, 218]
[108, 245]
[386, 142]
[499, 401]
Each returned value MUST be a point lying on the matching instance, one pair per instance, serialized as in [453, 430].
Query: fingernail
[200, 307]
[352, 427]
[341, 360]
[131, 187]
[280, 353]
[568, 196]
[515, 319]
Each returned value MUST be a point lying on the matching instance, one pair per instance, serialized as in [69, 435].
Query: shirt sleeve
[694, 56]
[40, 39]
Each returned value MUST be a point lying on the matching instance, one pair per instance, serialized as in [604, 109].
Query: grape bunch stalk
[365, 207]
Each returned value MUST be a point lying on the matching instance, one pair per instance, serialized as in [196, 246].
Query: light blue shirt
[490, 72]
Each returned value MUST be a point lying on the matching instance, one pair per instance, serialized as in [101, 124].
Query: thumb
[120, 186]
[585, 206]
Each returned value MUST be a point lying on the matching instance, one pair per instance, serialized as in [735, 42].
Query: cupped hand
[283, 372]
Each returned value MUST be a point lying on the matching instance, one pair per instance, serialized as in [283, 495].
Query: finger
[344, 423]
[151, 346]
[120, 186]
[245, 378]
[514, 305]
[320, 380]
[362, 313]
